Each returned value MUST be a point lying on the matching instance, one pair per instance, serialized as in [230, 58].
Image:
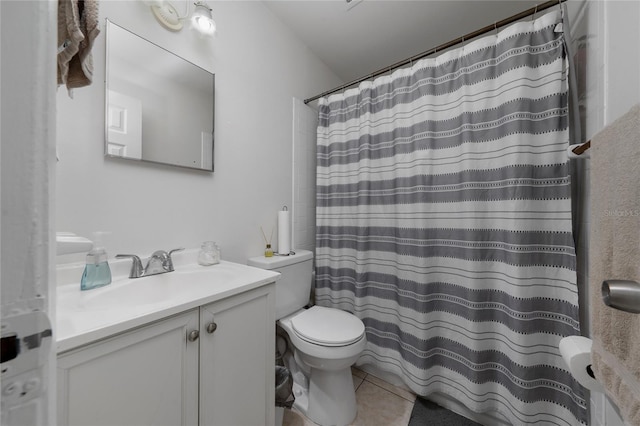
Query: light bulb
[202, 19]
[204, 25]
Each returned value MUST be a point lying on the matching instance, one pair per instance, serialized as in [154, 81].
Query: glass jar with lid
[209, 253]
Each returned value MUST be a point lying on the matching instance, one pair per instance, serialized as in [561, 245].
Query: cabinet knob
[211, 327]
[193, 335]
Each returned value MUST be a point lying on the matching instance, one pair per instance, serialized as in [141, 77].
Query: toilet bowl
[326, 343]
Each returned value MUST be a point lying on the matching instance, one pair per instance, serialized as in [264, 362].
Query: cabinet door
[237, 373]
[147, 376]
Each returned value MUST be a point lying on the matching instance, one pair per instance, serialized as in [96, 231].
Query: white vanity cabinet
[234, 389]
[212, 365]
[146, 376]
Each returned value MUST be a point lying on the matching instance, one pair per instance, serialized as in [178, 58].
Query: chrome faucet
[159, 263]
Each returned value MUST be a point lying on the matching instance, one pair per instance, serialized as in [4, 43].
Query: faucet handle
[136, 267]
[175, 250]
[169, 261]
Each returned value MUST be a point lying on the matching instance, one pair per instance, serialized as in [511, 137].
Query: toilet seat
[327, 326]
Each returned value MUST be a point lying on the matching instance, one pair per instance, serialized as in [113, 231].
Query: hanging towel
[77, 29]
[615, 254]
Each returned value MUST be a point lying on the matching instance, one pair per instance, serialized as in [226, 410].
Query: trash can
[284, 394]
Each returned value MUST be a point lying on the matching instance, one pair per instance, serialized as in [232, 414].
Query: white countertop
[86, 316]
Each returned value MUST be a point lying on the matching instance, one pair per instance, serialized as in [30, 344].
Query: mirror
[159, 107]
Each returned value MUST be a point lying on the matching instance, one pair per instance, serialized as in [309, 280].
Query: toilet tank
[293, 289]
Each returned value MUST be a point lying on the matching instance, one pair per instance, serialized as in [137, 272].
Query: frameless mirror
[159, 107]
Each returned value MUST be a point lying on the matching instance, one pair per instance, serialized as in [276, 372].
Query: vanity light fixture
[202, 20]
[167, 15]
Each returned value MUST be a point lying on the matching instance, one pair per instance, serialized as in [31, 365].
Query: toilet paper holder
[623, 295]
[576, 353]
[590, 371]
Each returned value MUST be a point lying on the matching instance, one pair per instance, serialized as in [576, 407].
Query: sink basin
[167, 288]
[84, 316]
[138, 292]
[204, 274]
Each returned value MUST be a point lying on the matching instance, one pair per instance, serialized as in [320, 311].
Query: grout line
[362, 379]
[359, 384]
[387, 390]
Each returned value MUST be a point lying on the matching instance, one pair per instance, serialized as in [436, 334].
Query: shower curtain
[444, 223]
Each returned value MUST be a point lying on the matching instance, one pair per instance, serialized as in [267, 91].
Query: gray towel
[615, 254]
[77, 29]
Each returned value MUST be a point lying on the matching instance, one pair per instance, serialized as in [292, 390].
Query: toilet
[326, 342]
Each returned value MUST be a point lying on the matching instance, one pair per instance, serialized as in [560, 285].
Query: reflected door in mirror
[124, 126]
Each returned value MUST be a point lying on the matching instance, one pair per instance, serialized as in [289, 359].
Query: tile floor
[379, 404]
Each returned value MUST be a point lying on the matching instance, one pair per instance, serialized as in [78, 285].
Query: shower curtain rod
[488, 28]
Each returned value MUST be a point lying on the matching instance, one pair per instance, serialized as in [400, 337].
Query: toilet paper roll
[576, 352]
[284, 232]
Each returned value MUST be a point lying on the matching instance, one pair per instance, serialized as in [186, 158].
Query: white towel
[77, 29]
[614, 253]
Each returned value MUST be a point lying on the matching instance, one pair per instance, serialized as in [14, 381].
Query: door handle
[211, 327]
[623, 295]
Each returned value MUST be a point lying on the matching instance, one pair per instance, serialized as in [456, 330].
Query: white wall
[259, 67]
[305, 124]
[612, 87]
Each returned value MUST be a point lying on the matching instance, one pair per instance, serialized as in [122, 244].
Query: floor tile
[356, 372]
[294, 418]
[379, 407]
[406, 394]
[357, 381]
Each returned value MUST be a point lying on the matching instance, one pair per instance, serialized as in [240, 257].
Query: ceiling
[363, 36]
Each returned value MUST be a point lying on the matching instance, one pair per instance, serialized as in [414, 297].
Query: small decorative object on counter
[209, 254]
[268, 251]
[96, 271]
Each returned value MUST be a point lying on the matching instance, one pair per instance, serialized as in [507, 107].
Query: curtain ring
[495, 27]
[533, 16]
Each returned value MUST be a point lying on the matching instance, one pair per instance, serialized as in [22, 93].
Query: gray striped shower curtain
[444, 223]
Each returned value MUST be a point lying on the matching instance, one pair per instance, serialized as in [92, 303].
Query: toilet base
[331, 397]
[279, 416]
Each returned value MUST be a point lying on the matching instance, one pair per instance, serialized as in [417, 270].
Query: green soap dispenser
[96, 272]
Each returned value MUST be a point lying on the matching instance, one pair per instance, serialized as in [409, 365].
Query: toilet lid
[327, 326]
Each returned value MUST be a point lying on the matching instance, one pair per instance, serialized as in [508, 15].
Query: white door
[27, 171]
[124, 126]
